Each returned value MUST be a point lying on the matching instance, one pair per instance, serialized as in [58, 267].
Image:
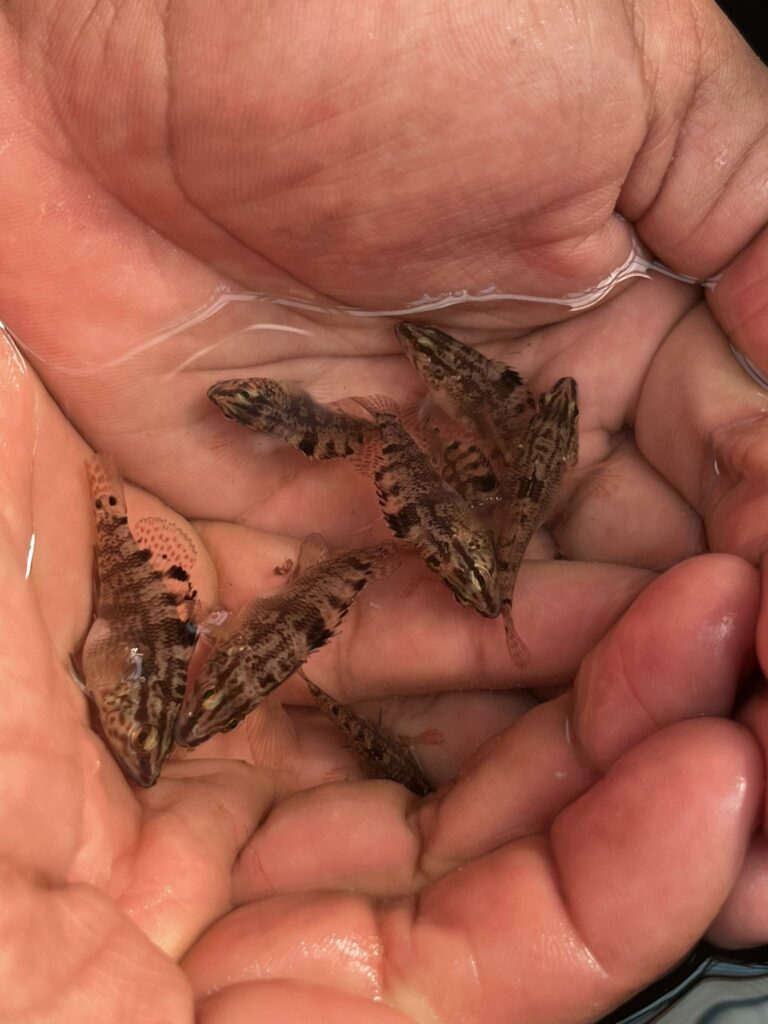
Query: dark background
[751, 19]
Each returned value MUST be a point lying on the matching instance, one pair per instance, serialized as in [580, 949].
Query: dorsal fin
[377, 404]
[172, 554]
[106, 485]
[313, 550]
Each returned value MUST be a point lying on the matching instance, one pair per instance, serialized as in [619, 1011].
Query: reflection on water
[710, 987]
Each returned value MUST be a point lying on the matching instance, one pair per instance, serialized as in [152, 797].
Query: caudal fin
[517, 649]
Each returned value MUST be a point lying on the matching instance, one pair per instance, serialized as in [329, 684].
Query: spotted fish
[421, 508]
[382, 755]
[134, 658]
[479, 392]
[317, 431]
[549, 447]
[271, 637]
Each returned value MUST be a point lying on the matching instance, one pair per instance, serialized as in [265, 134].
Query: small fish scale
[273, 636]
[381, 754]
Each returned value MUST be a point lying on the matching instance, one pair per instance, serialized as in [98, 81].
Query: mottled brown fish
[271, 637]
[421, 508]
[477, 391]
[317, 431]
[382, 755]
[549, 447]
[134, 659]
[459, 458]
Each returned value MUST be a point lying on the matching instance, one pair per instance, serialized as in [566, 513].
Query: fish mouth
[145, 773]
[488, 606]
[184, 733]
[224, 398]
[407, 330]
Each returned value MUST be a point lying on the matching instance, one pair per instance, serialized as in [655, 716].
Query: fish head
[219, 699]
[248, 399]
[432, 352]
[135, 721]
[473, 574]
[560, 406]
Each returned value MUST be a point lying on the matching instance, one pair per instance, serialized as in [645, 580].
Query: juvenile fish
[317, 431]
[478, 392]
[421, 508]
[134, 659]
[550, 446]
[382, 755]
[271, 637]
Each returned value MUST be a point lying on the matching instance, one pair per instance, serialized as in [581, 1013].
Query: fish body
[135, 656]
[477, 391]
[317, 431]
[382, 755]
[548, 449]
[421, 508]
[270, 638]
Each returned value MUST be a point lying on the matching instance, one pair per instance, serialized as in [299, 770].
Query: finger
[677, 653]
[630, 843]
[625, 512]
[739, 303]
[196, 820]
[361, 840]
[696, 186]
[292, 1002]
[742, 920]
[697, 395]
[669, 822]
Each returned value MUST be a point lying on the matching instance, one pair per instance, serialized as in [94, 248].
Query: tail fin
[517, 649]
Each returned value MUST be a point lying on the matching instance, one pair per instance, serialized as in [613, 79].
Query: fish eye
[211, 699]
[112, 500]
[99, 504]
[145, 737]
[231, 724]
[480, 580]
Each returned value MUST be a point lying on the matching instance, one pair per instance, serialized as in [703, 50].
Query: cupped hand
[242, 148]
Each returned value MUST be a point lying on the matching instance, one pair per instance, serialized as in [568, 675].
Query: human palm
[571, 824]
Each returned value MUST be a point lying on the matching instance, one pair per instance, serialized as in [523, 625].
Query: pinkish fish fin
[213, 625]
[271, 734]
[347, 406]
[173, 555]
[312, 550]
[429, 737]
[517, 649]
[375, 404]
[367, 458]
[107, 488]
[384, 564]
